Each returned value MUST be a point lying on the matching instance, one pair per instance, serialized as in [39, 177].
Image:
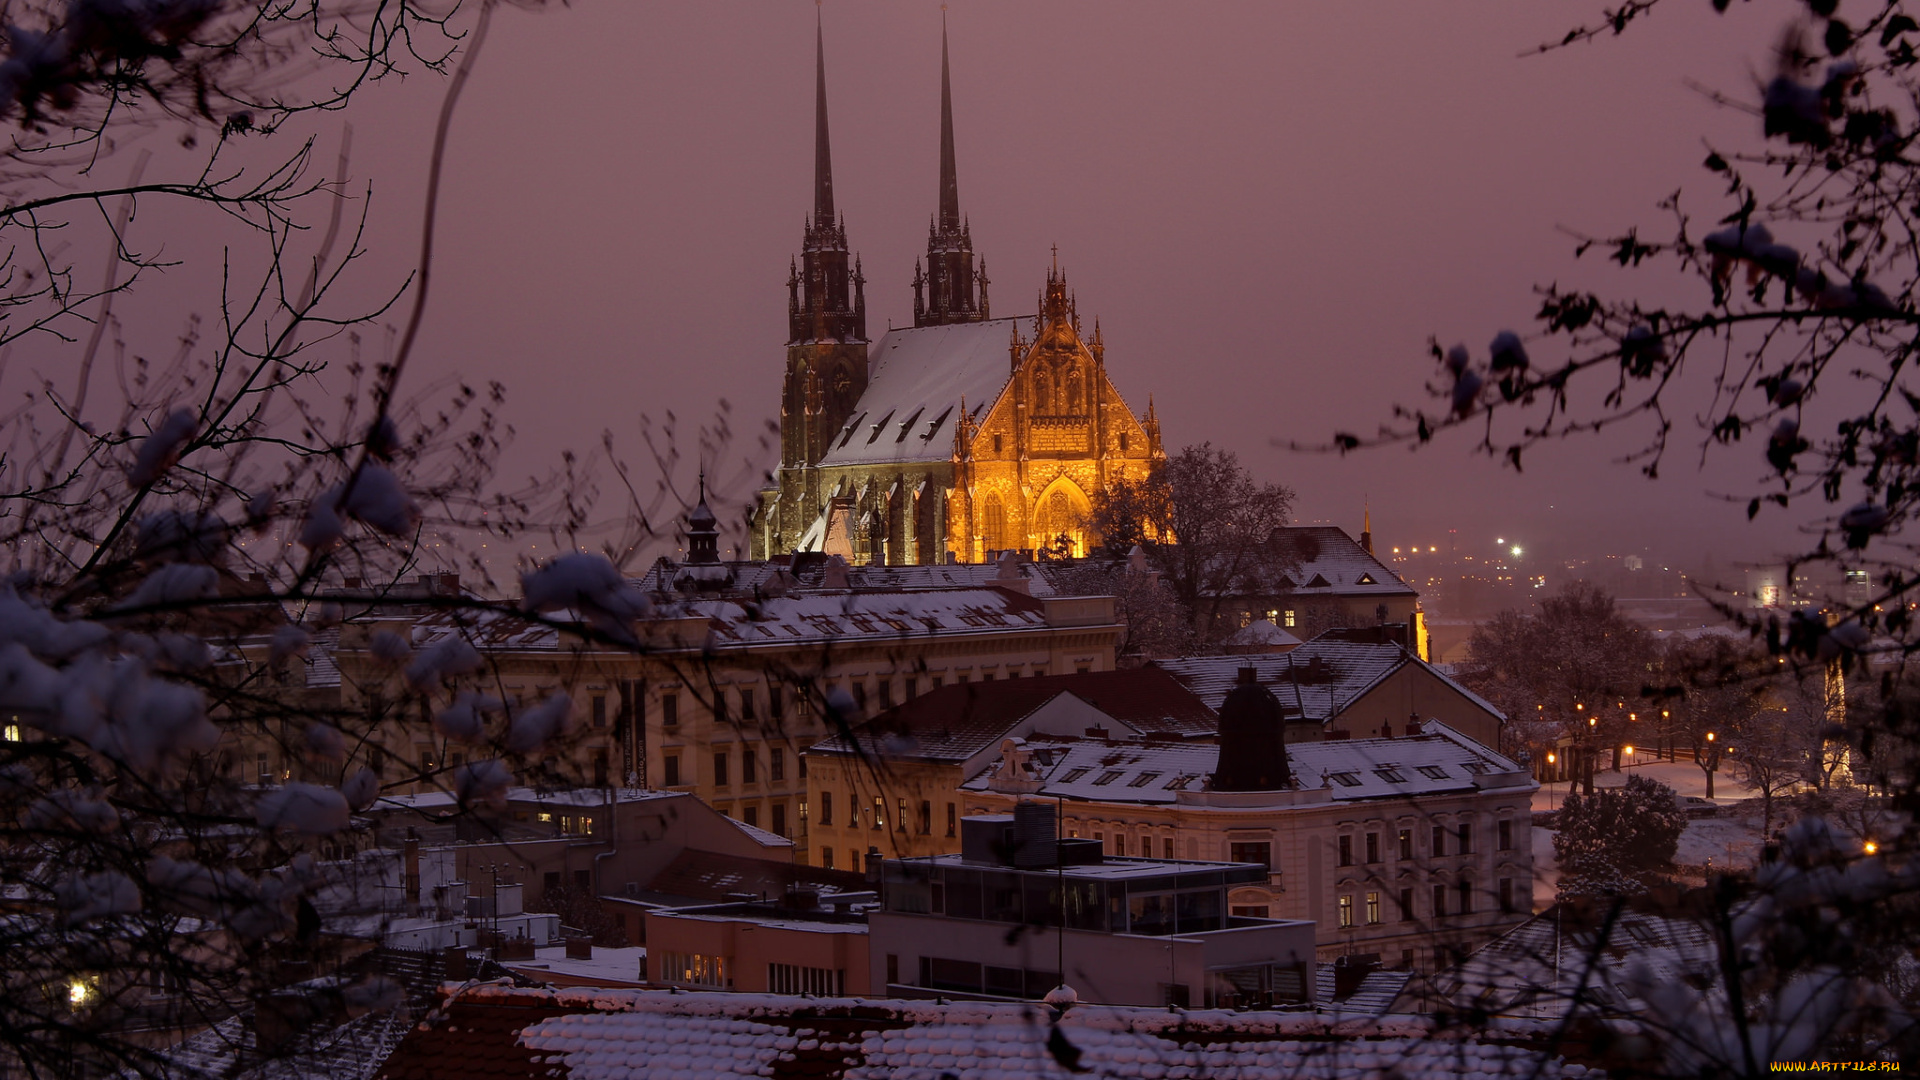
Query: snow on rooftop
[1437, 761]
[918, 376]
[617, 1035]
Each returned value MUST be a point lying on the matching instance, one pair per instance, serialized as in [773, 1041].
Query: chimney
[411, 886]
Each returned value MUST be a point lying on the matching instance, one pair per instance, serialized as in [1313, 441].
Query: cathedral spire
[822, 151]
[828, 305]
[949, 178]
[954, 287]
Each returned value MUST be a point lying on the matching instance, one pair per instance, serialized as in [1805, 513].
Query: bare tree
[1205, 525]
[1566, 673]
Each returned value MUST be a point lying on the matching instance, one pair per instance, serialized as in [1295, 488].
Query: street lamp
[1550, 761]
[1713, 762]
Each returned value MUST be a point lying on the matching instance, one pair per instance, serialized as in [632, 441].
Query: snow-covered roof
[1540, 968]
[1435, 762]
[918, 376]
[805, 617]
[1261, 632]
[1331, 562]
[622, 1034]
[1373, 997]
[953, 723]
[1316, 680]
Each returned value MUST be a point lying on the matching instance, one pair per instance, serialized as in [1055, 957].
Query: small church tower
[1253, 745]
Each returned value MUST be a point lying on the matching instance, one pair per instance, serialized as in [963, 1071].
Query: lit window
[1288, 614]
[13, 732]
[1373, 909]
[1346, 912]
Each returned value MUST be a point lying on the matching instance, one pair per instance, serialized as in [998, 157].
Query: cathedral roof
[919, 376]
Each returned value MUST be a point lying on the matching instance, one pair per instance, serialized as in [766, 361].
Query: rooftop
[619, 1034]
[1316, 680]
[1436, 761]
[953, 723]
[917, 379]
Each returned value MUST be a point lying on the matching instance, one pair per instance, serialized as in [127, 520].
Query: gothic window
[993, 524]
[897, 529]
[1075, 387]
[1042, 392]
[926, 530]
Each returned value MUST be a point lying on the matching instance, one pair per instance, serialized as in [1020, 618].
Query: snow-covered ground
[1731, 837]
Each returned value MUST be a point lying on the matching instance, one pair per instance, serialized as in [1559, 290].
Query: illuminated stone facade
[949, 440]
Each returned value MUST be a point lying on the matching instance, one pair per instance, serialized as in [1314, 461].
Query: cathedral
[951, 440]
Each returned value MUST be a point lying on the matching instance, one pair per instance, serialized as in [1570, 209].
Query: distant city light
[1433, 549]
[78, 992]
[1516, 550]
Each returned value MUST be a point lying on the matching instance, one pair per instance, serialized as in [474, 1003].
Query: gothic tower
[949, 289]
[826, 336]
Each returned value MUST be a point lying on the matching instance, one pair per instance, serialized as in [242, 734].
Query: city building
[894, 784]
[1327, 580]
[954, 438]
[731, 683]
[1347, 683]
[1020, 911]
[1412, 850]
[790, 945]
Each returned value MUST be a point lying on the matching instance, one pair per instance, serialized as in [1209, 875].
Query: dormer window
[1345, 779]
[1390, 775]
[1075, 774]
[1143, 779]
[1107, 777]
[1366, 579]
[1434, 772]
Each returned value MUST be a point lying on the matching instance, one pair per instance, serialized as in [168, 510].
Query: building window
[820, 982]
[826, 808]
[1373, 909]
[1466, 840]
[751, 815]
[953, 814]
[777, 763]
[926, 818]
[1466, 897]
[672, 776]
[1346, 913]
[747, 711]
[1506, 896]
[913, 687]
[1250, 911]
[1406, 843]
[1439, 900]
[1288, 616]
[1439, 840]
[1346, 851]
[1123, 442]
[720, 769]
[1406, 905]
[780, 818]
[826, 858]
[996, 442]
[1505, 835]
[776, 702]
[598, 707]
[1373, 847]
[1257, 852]
[860, 696]
[800, 762]
[695, 969]
[1166, 848]
[886, 693]
[879, 813]
[669, 710]
[749, 765]
[601, 773]
[900, 815]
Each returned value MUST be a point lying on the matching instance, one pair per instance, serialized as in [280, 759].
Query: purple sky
[1268, 206]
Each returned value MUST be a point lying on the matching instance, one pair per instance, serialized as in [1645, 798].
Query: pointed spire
[822, 155]
[1366, 524]
[949, 177]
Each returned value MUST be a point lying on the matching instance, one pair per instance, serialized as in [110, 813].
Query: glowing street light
[1870, 847]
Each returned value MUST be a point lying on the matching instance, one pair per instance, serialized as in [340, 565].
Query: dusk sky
[1269, 207]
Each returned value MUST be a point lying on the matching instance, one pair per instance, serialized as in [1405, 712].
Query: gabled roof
[1317, 680]
[1333, 563]
[918, 377]
[582, 1034]
[953, 723]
